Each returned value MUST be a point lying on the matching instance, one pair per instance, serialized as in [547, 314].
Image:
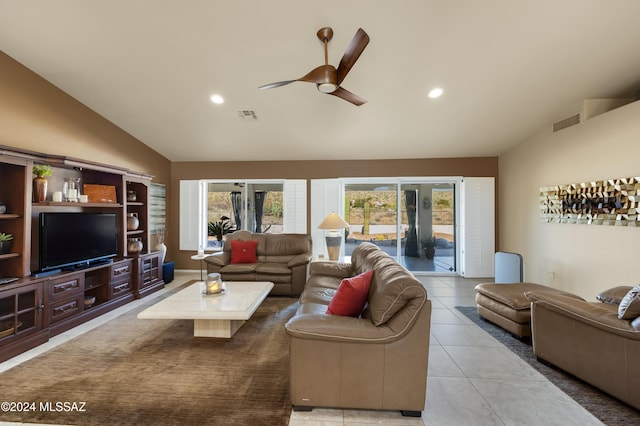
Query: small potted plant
[41, 173]
[220, 228]
[429, 247]
[5, 242]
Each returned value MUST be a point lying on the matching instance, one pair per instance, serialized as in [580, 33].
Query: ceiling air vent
[248, 115]
[566, 122]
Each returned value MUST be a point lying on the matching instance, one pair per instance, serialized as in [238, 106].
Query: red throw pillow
[244, 251]
[351, 296]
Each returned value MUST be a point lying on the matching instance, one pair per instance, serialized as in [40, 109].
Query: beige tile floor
[472, 379]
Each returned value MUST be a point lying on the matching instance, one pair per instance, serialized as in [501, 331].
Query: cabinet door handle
[65, 308]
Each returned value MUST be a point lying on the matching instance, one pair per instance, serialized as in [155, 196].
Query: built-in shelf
[63, 204]
[9, 216]
[9, 255]
[48, 304]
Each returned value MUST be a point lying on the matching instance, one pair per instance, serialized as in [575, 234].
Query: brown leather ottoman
[507, 306]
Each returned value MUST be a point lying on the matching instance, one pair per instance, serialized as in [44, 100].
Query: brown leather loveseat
[589, 340]
[377, 360]
[282, 259]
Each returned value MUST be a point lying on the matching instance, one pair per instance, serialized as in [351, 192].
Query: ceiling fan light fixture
[327, 87]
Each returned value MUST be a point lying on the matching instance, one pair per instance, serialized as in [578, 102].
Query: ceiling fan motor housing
[328, 79]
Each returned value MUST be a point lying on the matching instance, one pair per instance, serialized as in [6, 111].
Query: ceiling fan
[327, 77]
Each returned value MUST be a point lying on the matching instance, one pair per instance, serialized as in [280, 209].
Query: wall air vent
[248, 115]
[566, 122]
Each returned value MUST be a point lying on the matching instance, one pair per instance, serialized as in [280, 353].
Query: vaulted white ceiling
[508, 68]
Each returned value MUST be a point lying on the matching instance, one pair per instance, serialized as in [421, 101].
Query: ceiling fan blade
[276, 84]
[353, 52]
[348, 96]
[321, 75]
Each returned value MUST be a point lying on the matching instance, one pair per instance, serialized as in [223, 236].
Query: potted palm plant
[220, 228]
[41, 173]
[6, 240]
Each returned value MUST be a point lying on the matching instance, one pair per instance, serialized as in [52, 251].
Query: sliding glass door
[412, 220]
[372, 214]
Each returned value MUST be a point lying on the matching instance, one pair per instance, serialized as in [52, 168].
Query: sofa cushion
[270, 268]
[613, 295]
[629, 307]
[391, 289]
[244, 251]
[239, 268]
[282, 247]
[351, 296]
[392, 285]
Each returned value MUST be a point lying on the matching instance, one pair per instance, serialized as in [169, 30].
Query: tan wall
[37, 116]
[481, 167]
[584, 259]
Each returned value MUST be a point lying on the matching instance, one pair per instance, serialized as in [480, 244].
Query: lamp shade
[333, 221]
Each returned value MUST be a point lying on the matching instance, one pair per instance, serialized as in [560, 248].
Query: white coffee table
[213, 315]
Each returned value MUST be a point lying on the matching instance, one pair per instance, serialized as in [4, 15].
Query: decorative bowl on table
[89, 301]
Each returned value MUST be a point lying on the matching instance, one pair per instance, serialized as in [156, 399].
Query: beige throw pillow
[629, 307]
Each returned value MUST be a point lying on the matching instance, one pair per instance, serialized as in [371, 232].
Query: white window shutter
[295, 206]
[325, 198]
[191, 220]
[477, 227]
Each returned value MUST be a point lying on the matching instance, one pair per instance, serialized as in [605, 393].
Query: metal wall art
[610, 202]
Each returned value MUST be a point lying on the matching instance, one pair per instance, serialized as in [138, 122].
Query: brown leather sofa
[588, 340]
[375, 361]
[283, 259]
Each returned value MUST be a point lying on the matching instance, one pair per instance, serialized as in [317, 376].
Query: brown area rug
[154, 372]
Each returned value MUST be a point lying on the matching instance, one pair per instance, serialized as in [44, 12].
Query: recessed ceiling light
[435, 93]
[216, 99]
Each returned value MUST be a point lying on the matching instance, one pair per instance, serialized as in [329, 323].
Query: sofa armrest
[337, 328]
[301, 259]
[593, 314]
[331, 269]
[219, 259]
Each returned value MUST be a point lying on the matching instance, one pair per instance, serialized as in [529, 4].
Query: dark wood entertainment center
[33, 309]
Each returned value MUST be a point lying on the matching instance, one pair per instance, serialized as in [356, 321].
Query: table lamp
[333, 222]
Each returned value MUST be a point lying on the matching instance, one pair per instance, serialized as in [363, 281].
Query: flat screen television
[72, 240]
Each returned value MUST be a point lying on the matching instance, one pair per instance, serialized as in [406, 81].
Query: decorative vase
[5, 246]
[134, 245]
[132, 221]
[162, 248]
[132, 196]
[40, 189]
[3, 207]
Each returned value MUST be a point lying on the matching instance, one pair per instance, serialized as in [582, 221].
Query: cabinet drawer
[121, 271]
[120, 289]
[66, 308]
[66, 287]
